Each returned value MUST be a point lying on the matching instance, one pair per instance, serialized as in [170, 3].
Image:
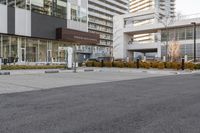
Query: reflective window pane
[37, 6]
[3, 2]
[61, 9]
[21, 3]
[74, 15]
[11, 3]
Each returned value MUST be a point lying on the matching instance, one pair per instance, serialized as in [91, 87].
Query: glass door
[49, 56]
[23, 54]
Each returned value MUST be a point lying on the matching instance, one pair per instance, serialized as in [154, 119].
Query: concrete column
[145, 58]
[129, 55]
[159, 51]
[164, 59]
[19, 52]
[186, 58]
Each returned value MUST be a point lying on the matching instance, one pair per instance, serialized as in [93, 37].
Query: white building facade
[100, 14]
[162, 7]
[132, 40]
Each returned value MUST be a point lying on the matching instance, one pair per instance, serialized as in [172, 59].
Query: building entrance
[65, 55]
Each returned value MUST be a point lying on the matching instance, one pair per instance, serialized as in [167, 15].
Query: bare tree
[174, 51]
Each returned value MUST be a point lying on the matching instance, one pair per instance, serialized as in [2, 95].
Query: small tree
[174, 51]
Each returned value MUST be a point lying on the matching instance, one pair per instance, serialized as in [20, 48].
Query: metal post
[66, 59]
[194, 24]
[75, 58]
[167, 41]
[138, 63]
[195, 42]
[0, 62]
[183, 64]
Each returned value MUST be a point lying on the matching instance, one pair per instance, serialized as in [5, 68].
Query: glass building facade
[57, 8]
[29, 33]
[185, 37]
[34, 50]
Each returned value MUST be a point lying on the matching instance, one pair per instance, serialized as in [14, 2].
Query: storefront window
[198, 32]
[172, 35]
[14, 47]
[5, 46]
[181, 34]
[163, 36]
[42, 51]
[55, 51]
[32, 50]
[189, 33]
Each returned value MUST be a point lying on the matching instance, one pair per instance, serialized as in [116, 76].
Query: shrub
[168, 65]
[161, 65]
[154, 64]
[197, 66]
[119, 64]
[147, 65]
[130, 65]
[97, 64]
[141, 64]
[176, 65]
[107, 64]
[21, 67]
[89, 63]
[190, 66]
[179, 66]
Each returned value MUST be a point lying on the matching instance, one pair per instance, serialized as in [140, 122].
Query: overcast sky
[188, 6]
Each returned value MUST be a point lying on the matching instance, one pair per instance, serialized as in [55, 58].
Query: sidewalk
[92, 69]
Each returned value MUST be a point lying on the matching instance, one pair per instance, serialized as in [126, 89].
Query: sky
[187, 7]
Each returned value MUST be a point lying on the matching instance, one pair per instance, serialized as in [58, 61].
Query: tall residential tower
[163, 7]
[100, 13]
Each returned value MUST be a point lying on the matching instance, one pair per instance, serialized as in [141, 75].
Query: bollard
[138, 63]
[102, 63]
[183, 64]
[0, 62]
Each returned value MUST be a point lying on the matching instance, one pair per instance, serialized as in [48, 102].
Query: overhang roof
[75, 36]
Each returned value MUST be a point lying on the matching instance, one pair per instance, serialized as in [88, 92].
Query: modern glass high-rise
[100, 14]
[41, 31]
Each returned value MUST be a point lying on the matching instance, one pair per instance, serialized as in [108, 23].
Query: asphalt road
[153, 105]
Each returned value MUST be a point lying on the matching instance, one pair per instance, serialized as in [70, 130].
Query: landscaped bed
[23, 67]
[147, 65]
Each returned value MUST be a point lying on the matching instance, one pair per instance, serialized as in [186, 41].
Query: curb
[4, 73]
[51, 71]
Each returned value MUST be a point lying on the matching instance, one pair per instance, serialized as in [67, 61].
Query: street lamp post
[194, 24]
[167, 41]
[75, 58]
